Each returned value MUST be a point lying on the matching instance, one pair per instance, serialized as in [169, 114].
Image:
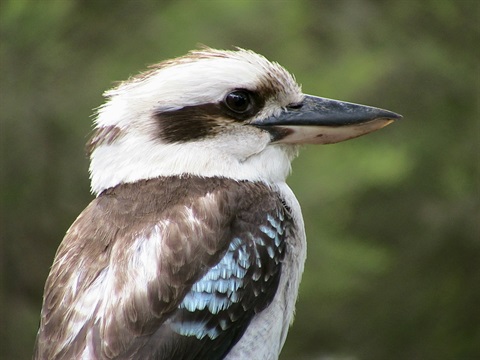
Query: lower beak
[324, 121]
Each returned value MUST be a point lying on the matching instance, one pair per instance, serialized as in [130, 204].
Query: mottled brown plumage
[121, 218]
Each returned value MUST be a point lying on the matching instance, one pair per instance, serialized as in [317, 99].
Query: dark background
[393, 269]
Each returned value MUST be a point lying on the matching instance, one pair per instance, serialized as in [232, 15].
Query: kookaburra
[194, 245]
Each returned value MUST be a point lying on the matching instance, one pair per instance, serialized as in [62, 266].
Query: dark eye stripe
[188, 123]
[200, 121]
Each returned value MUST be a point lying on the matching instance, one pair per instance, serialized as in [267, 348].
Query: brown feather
[93, 297]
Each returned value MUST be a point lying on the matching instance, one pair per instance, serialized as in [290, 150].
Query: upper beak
[318, 120]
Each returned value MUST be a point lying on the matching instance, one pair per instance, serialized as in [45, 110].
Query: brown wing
[132, 256]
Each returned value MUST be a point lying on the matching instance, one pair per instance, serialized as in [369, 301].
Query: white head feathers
[126, 145]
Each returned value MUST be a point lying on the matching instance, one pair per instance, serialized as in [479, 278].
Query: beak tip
[396, 116]
[387, 115]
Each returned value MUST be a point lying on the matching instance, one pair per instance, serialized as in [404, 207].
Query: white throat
[129, 160]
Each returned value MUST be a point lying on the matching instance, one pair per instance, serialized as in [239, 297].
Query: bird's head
[216, 113]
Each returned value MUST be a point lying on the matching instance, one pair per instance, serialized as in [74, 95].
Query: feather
[186, 261]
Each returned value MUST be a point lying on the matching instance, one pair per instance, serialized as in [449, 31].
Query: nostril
[294, 106]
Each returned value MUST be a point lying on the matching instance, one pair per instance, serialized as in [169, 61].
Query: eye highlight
[239, 101]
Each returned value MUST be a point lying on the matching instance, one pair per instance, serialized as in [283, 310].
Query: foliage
[392, 218]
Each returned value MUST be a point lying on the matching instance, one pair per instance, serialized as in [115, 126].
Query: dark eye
[238, 101]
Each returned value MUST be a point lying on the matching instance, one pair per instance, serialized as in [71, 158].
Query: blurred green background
[393, 218]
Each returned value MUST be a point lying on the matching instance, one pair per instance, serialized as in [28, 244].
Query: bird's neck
[118, 163]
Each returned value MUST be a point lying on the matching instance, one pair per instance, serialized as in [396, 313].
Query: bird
[194, 245]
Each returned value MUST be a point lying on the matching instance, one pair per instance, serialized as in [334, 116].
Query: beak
[318, 120]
